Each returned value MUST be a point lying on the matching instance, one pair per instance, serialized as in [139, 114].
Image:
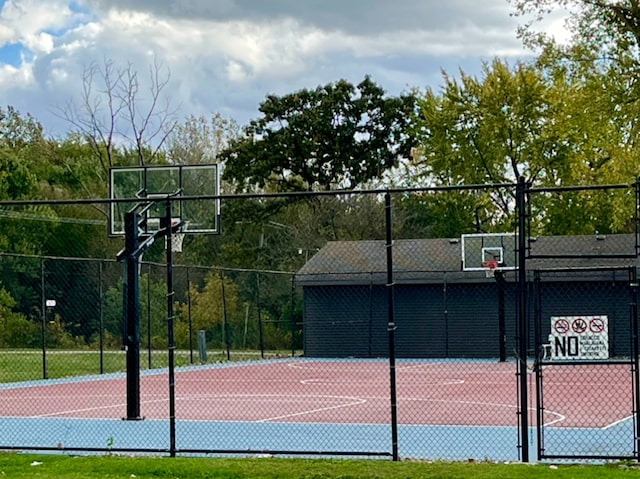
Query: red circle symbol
[561, 326]
[579, 326]
[596, 325]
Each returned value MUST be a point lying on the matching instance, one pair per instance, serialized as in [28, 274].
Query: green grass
[27, 365]
[17, 466]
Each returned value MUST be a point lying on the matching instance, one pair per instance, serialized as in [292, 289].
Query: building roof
[428, 260]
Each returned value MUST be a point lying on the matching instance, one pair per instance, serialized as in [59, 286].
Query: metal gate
[586, 364]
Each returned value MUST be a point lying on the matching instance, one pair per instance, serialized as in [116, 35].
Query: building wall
[450, 320]
[590, 299]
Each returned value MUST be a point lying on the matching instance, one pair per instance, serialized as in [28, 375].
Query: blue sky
[12, 54]
[225, 56]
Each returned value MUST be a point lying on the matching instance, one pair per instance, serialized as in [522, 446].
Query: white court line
[351, 401]
[619, 421]
[356, 402]
[560, 417]
[445, 382]
[96, 408]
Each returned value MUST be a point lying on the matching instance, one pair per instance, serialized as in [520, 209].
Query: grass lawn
[28, 365]
[17, 466]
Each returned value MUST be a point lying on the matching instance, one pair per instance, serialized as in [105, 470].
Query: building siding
[451, 320]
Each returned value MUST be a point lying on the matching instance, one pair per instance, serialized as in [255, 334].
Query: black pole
[635, 364]
[171, 336]
[189, 315]
[227, 337]
[259, 306]
[522, 318]
[149, 336]
[502, 320]
[293, 316]
[43, 331]
[391, 329]
[132, 343]
[101, 282]
[539, 358]
[370, 332]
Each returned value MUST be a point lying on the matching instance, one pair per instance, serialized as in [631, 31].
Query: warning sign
[579, 337]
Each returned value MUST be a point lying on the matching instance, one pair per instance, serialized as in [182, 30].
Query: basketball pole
[134, 247]
[502, 321]
[132, 315]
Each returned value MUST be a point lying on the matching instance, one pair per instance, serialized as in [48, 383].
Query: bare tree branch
[111, 111]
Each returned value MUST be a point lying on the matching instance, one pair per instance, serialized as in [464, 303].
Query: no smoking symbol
[561, 326]
[596, 325]
[579, 326]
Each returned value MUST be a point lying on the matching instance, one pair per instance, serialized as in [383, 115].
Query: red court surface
[479, 393]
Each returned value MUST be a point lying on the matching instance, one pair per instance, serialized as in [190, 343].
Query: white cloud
[29, 21]
[15, 79]
[7, 34]
[226, 55]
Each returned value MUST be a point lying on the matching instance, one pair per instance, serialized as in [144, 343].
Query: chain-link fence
[420, 323]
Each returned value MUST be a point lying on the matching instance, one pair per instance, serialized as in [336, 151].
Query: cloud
[363, 17]
[226, 55]
[33, 22]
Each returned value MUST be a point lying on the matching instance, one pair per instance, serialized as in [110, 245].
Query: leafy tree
[22, 148]
[610, 27]
[218, 299]
[335, 135]
[549, 125]
[21, 142]
[15, 330]
[153, 299]
[200, 140]
[482, 131]
[603, 51]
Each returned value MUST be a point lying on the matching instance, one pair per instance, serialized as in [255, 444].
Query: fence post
[189, 314]
[101, 291]
[149, 335]
[170, 330]
[521, 199]
[259, 306]
[43, 308]
[225, 324]
[391, 328]
[635, 359]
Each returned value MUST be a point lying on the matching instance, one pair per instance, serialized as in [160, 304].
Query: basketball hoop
[177, 238]
[490, 266]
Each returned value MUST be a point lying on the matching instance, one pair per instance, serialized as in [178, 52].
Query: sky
[226, 56]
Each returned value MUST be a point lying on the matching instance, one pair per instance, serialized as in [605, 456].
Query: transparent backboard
[190, 188]
[480, 249]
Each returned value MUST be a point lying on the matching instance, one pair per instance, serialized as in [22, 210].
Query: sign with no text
[579, 337]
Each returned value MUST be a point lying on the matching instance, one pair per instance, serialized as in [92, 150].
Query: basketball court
[313, 405]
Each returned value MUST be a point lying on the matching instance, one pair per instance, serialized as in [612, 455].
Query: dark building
[444, 312]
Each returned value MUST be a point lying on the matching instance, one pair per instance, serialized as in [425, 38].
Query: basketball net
[491, 266]
[177, 239]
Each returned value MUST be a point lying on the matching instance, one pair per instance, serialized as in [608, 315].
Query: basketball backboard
[154, 184]
[484, 251]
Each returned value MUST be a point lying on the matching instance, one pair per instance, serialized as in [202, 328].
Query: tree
[337, 135]
[604, 54]
[216, 309]
[549, 125]
[611, 27]
[18, 131]
[200, 140]
[111, 112]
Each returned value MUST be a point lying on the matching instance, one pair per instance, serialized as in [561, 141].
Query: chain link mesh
[282, 335]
